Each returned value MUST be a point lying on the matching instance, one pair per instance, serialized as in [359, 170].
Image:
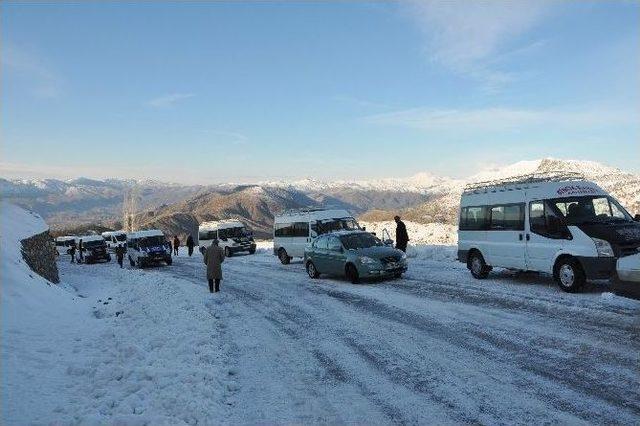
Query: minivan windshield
[121, 237]
[156, 240]
[359, 241]
[586, 210]
[337, 224]
[93, 244]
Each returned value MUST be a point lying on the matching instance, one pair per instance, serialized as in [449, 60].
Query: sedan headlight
[366, 260]
[603, 247]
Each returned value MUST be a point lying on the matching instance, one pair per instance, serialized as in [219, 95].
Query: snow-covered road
[275, 346]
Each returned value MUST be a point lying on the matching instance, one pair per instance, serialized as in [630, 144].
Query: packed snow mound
[22, 289]
[419, 233]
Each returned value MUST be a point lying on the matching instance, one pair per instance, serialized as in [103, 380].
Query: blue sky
[210, 92]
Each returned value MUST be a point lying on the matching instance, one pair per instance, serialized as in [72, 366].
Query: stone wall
[40, 255]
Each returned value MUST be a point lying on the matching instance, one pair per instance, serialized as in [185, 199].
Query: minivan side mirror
[637, 217]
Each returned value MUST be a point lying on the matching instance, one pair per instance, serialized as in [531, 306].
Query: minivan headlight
[366, 260]
[603, 247]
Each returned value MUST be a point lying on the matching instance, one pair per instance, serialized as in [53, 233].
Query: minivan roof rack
[537, 177]
[300, 210]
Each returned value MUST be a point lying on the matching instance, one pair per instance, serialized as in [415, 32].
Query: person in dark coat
[190, 244]
[72, 252]
[402, 238]
[213, 258]
[80, 250]
[176, 244]
[120, 251]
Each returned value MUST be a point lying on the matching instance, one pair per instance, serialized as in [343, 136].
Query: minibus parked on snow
[293, 230]
[114, 239]
[232, 235]
[64, 244]
[556, 223]
[148, 247]
[94, 249]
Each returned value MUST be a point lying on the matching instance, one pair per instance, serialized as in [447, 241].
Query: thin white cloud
[503, 119]
[467, 36]
[26, 65]
[169, 100]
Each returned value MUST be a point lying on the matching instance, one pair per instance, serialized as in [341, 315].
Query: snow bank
[419, 233]
[36, 317]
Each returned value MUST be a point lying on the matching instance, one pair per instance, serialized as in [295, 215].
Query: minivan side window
[508, 217]
[540, 216]
[473, 218]
[296, 229]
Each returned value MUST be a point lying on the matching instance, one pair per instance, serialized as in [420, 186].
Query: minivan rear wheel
[569, 275]
[478, 267]
[283, 256]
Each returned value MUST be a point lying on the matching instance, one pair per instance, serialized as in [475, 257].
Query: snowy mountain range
[423, 198]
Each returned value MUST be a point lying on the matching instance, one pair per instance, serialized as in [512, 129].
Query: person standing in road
[402, 237]
[190, 245]
[72, 252]
[80, 250]
[176, 244]
[120, 251]
[213, 258]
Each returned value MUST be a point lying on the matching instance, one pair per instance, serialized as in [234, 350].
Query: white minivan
[232, 235]
[293, 230]
[148, 247]
[556, 223]
[114, 239]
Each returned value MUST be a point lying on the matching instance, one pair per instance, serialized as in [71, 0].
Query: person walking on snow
[213, 258]
[80, 250]
[176, 244]
[120, 251]
[402, 238]
[190, 244]
[72, 252]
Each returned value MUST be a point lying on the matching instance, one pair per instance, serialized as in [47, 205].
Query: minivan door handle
[520, 237]
[528, 237]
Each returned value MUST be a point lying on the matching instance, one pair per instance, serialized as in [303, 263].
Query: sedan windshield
[584, 210]
[359, 241]
[151, 241]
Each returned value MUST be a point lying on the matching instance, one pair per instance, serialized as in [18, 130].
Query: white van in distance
[555, 223]
[293, 230]
[147, 247]
[94, 249]
[232, 236]
[114, 239]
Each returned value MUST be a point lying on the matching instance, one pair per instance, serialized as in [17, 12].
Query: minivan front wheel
[478, 266]
[569, 275]
[311, 270]
[131, 262]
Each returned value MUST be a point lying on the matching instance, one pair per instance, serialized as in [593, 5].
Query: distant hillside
[252, 204]
[81, 204]
[443, 207]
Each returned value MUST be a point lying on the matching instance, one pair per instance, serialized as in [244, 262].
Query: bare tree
[130, 207]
